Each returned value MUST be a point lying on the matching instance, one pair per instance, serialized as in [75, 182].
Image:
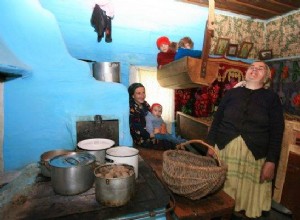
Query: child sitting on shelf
[156, 126]
[185, 48]
[166, 54]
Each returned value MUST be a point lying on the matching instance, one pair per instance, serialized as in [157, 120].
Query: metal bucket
[107, 71]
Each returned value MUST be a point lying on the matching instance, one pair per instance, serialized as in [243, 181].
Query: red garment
[165, 58]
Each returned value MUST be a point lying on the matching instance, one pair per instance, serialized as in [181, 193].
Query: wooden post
[209, 32]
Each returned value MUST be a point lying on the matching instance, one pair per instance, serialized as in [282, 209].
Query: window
[154, 92]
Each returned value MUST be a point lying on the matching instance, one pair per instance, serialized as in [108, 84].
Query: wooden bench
[216, 206]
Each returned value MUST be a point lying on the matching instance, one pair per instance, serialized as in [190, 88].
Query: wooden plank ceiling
[256, 9]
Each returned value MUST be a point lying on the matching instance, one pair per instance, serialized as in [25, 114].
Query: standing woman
[139, 108]
[247, 130]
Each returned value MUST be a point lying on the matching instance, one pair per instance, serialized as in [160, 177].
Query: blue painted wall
[49, 36]
[135, 27]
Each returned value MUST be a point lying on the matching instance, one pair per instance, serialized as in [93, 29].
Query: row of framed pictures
[225, 48]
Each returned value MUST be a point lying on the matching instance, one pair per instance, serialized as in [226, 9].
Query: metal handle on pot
[44, 164]
[109, 160]
[69, 160]
[113, 64]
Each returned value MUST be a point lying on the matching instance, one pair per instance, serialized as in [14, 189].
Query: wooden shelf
[185, 72]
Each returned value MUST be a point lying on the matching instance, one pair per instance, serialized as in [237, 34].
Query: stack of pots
[122, 154]
[117, 190]
[115, 184]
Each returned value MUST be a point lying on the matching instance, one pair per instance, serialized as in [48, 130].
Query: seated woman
[185, 48]
[139, 108]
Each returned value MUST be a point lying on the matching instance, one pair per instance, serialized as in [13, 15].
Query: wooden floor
[216, 206]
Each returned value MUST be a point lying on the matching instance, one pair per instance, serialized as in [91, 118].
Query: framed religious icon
[245, 50]
[222, 46]
[232, 50]
[265, 54]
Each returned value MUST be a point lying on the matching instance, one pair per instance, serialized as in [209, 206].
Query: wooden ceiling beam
[292, 4]
[247, 7]
[270, 6]
[261, 9]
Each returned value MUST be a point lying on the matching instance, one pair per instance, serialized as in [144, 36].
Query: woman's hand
[157, 130]
[210, 153]
[267, 172]
[163, 128]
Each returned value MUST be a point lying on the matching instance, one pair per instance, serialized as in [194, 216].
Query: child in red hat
[156, 126]
[166, 54]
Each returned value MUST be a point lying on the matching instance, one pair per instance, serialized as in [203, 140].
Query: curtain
[154, 92]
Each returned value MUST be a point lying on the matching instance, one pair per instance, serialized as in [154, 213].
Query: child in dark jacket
[166, 54]
[185, 48]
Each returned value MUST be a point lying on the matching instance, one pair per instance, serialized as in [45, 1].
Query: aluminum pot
[72, 173]
[114, 191]
[96, 147]
[47, 156]
[123, 154]
[107, 71]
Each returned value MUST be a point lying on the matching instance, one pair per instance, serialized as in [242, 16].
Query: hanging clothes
[99, 21]
[107, 6]
[108, 38]
[102, 24]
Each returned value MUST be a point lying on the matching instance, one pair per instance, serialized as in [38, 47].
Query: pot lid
[122, 151]
[72, 160]
[96, 144]
[46, 156]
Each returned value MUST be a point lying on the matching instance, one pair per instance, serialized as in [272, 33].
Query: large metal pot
[47, 156]
[96, 147]
[107, 71]
[73, 173]
[122, 154]
[114, 191]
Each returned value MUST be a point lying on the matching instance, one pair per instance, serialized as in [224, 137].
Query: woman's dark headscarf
[132, 88]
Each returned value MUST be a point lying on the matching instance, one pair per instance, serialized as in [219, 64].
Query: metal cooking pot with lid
[47, 156]
[96, 147]
[73, 173]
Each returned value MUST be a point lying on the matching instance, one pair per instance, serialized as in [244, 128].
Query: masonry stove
[98, 128]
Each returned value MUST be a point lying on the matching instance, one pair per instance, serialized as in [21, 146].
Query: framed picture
[265, 54]
[245, 50]
[222, 46]
[232, 50]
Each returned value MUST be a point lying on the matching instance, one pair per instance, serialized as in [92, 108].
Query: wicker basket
[190, 175]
